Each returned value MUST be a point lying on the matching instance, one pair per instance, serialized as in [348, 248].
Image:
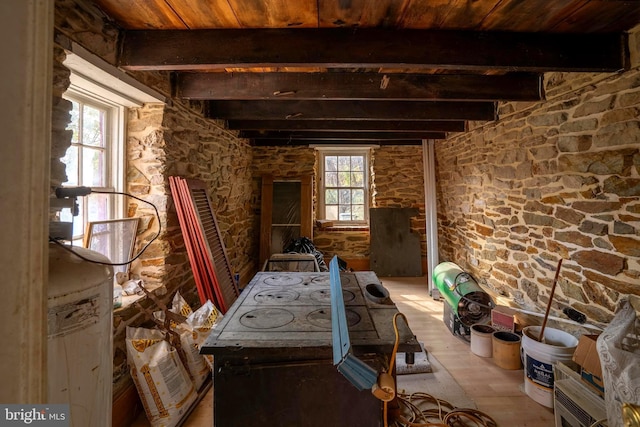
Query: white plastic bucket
[539, 357]
[481, 340]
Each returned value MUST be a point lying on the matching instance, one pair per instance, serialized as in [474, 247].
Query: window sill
[129, 300]
[346, 228]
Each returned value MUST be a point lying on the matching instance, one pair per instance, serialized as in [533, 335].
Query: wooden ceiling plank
[446, 14]
[372, 48]
[359, 13]
[350, 125]
[276, 13]
[602, 16]
[351, 110]
[341, 135]
[148, 14]
[204, 14]
[530, 15]
[345, 86]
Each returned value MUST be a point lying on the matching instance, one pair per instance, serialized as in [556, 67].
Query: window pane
[358, 196]
[357, 163]
[70, 160]
[97, 207]
[331, 212]
[78, 224]
[74, 124]
[357, 179]
[344, 179]
[331, 163]
[357, 212]
[345, 213]
[344, 163]
[93, 168]
[345, 197]
[331, 197]
[93, 126]
[331, 179]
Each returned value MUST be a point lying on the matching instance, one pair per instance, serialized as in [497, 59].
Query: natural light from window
[343, 187]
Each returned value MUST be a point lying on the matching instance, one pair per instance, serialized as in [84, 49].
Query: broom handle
[553, 290]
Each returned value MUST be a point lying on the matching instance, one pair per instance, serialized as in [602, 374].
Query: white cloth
[620, 358]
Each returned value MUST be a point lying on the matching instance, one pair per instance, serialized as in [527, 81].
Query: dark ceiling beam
[372, 48]
[351, 110]
[346, 86]
[297, 142]
[350, 125]
[341, 135]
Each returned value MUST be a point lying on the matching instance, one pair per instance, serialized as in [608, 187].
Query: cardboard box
[503, 318]
[586, 356]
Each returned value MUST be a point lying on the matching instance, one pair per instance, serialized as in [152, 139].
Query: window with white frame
[100, 95]
[343, 192]
[95, 158]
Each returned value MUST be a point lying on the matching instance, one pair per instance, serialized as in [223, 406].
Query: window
[343, 186]
[100, 95]
[94, 159]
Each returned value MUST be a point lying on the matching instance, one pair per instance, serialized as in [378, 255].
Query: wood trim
[25, 78]
[266, 206]
[306, 214]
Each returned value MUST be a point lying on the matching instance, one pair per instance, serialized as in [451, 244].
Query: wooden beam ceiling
[298, 142]
[371, 48]
[379, 126]
[359, 86]
[340, 136]
[351, 110]
[345, 66]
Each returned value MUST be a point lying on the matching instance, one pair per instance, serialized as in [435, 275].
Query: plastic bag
[620, 358]
[197, 366]
[201, 322]
[305, 246]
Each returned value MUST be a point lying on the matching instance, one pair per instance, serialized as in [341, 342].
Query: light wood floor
[494, 390]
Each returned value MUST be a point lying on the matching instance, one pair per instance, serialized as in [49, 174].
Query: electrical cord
[416, 417]
[68, 249]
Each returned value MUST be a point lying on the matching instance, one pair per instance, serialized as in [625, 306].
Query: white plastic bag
[164, 386]
[197, 365]
[620, 359]
[201, 322]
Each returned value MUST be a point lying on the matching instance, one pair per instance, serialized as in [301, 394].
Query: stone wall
[549, 180]
[399, 183]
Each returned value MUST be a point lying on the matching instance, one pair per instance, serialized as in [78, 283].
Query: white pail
[481, 340]
[539, 358]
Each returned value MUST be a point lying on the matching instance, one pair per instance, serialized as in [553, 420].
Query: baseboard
[126, 407]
